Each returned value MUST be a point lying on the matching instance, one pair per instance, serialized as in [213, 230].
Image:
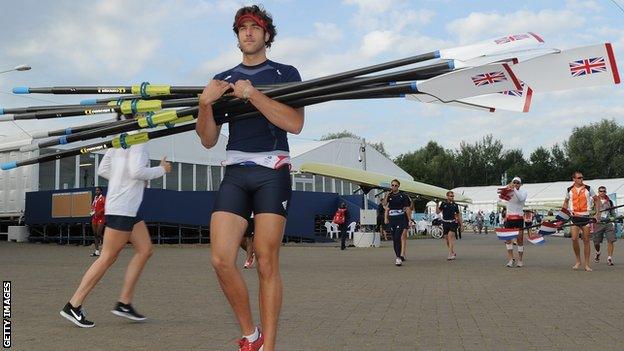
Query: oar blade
[587, 66]
[468, 82]
[494, 46]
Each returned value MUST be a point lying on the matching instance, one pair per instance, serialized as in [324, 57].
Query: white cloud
[480, 25]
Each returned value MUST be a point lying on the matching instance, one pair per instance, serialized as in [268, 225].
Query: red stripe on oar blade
[614, 69]
[513, 76]
[536, 37]
[527, 100]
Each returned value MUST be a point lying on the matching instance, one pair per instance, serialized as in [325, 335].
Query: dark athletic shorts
[254, 188]
[449, 227]
[400, 223]
[580, 221]
[514, 223]
[122, 223]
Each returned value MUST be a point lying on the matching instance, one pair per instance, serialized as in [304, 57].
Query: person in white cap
[515, 220]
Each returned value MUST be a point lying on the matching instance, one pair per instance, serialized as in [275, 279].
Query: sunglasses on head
[602, 191]
[516, 182]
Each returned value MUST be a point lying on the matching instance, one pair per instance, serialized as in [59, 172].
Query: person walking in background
[451, 222]
[604, 227]
[578, 199]
[127, 171]
[397, 215]
[98, 220]
[340, 219]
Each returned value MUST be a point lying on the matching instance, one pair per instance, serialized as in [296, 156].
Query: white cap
[517, 179]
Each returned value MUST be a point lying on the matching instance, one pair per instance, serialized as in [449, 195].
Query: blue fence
[193, 208]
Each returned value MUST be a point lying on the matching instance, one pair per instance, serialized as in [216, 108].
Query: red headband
[251, 17]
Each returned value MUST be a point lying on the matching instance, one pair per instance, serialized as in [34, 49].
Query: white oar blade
[575, 68]
[513, 57]
[470, 82]
[511, 100]
[493, 46]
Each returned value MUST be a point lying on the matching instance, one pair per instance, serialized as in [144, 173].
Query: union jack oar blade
[469, 82]
[580, 67]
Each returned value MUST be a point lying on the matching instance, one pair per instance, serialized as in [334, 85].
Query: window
[47, 172]
[68, 173]
[156, 183]
[187, 176]
[87, 170]
[172, 177]
[318, 183]
[215, 177]
[201, 177]
[328, 185]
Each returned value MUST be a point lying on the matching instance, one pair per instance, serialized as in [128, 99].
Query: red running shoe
[245, 345]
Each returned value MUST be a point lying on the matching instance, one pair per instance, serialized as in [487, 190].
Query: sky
[186, 42]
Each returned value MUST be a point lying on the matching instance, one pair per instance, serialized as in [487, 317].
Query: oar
[122, 141]
[134, 106]
[70, 130]
[463, 53]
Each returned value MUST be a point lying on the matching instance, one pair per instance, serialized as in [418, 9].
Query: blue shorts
[122, 223]
[254, 188]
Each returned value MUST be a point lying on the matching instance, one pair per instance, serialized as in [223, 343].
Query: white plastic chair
[351, 229]
[332, 229]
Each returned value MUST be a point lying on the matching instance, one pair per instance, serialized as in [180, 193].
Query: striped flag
[506, 233]
[563, 215]
[505, 193]
[536, 239]
[547, 228]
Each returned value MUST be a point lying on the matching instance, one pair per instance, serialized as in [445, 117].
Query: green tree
[597, 149]
[540, 167]
[379, 146]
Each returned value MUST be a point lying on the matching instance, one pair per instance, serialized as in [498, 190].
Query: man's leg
[267, 241]
[520, 242]
[226, 232]
[451, 243]
[574, 231]
[403, 243]
[586, 247]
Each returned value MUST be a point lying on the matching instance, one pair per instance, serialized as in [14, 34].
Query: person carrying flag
[514, 219]
[603, 227]
[577, 201]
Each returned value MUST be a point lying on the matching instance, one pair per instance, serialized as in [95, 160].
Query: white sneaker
[510, 264]
[398, 262]
[520, 264]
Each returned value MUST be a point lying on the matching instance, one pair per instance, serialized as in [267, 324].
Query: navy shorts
[514, 223]
[254, 188]
[449, 227]
[122, 223]
[581, 221]
[398, 223]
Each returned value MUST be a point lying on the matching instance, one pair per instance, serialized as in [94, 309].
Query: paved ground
[351, 300]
